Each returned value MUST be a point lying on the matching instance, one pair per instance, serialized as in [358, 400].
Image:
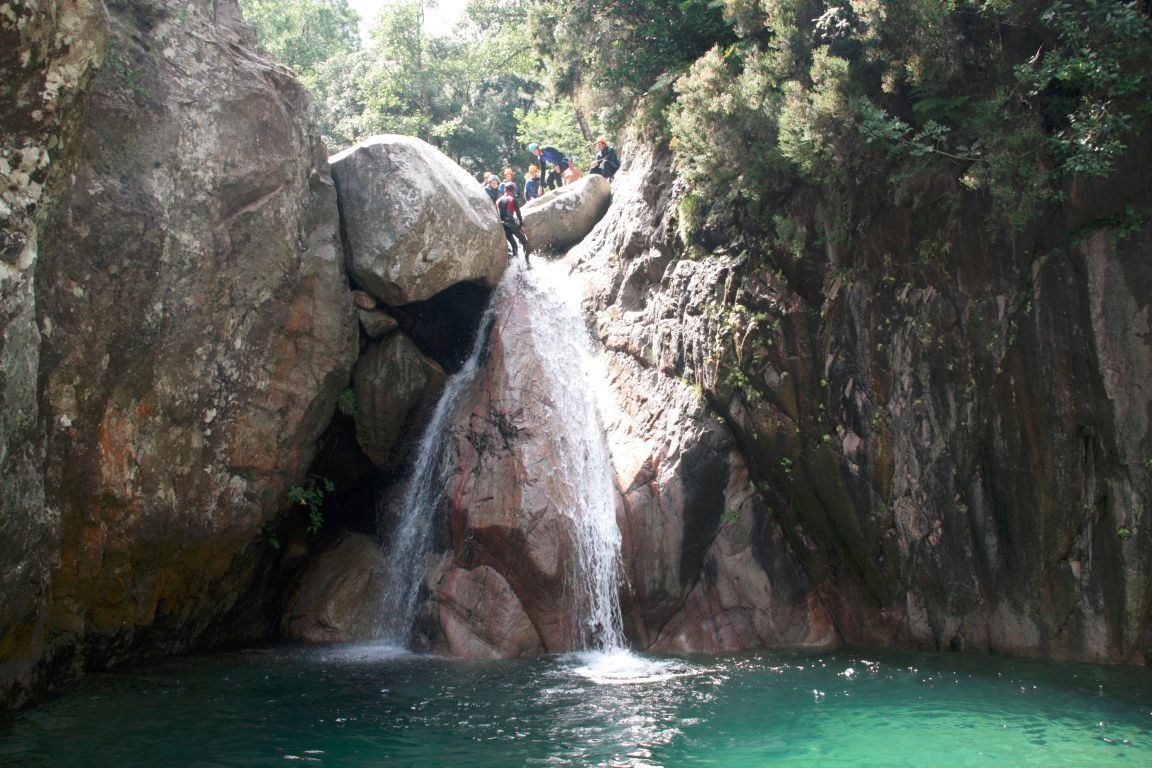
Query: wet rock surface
[481, 617]
[917, 481]
[505, 505]
[334, 599]
[394, 385]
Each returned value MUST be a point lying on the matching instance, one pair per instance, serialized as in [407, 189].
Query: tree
[304, 33]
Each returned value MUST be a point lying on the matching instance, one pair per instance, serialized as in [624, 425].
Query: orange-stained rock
[197, 329]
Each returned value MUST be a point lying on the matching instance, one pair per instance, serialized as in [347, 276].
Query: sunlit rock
[562, 217]
[415, 222]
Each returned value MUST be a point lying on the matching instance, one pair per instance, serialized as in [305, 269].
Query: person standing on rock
[606, 163]
[491, 186]
[512, 220]
[550, 156]
[532, 188]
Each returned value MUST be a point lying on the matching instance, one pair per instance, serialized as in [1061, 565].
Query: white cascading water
[575, 377]
[412, 539]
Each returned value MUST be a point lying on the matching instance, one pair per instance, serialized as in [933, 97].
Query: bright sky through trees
[439, 15]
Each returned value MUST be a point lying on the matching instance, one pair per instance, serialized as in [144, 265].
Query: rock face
[481, 616]
[692, 578]
[334, 598]
[950, 460]
[394, 383]
[505, 513]
[45, 68]
[415, 223]
[196, 329]
[562, 217]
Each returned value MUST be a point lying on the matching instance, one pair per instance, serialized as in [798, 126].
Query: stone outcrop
[394, 385]
[481, 617]
[47, 58]
[334, 598]
[415, 223]
[693, 579]
[939, 459]
[505, 512]
[563, 217]
[196, 328]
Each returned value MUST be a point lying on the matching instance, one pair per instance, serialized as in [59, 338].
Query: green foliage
[723, 132]
[1124, 533]
[556, 125]
[346, 403]
[462, 92]
[303, 33]
[310, 495]
[614, 50]
[1093, 81]
[731, 515]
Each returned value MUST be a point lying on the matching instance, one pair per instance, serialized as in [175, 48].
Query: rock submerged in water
[562, 218]
[415, 222]
[334, 598]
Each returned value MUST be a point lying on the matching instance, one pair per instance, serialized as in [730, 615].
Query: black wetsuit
[549, 157]
[606, 163]
[513, 222]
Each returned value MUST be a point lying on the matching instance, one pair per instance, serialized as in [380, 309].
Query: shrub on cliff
[1007, 98]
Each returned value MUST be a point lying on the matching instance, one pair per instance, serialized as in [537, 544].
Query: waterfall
[575, 377]
[572, 377]
[412, 539]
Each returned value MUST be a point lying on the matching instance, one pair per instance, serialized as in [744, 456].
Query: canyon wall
[944, 425]
[177, 326]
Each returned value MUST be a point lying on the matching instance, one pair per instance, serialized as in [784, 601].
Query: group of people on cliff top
[559, 171]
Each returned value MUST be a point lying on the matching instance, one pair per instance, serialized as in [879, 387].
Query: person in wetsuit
[512, 220]
[606, 163]
[552, 159]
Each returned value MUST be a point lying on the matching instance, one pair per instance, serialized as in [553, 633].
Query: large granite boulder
[395, 384]
[196, 330]
[481, 616]
[561, 218]
[415, 222]
[334, 599]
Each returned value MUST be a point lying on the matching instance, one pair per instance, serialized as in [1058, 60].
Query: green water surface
[374, 707]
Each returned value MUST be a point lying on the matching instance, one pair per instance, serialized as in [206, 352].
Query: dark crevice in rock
[351, 506]
[705, 469]
[444, 327]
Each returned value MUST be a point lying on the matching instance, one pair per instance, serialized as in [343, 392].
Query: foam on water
[362, 653]
[621, 667]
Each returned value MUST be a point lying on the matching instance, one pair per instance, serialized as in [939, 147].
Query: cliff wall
[179, 251]
[946, 423]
